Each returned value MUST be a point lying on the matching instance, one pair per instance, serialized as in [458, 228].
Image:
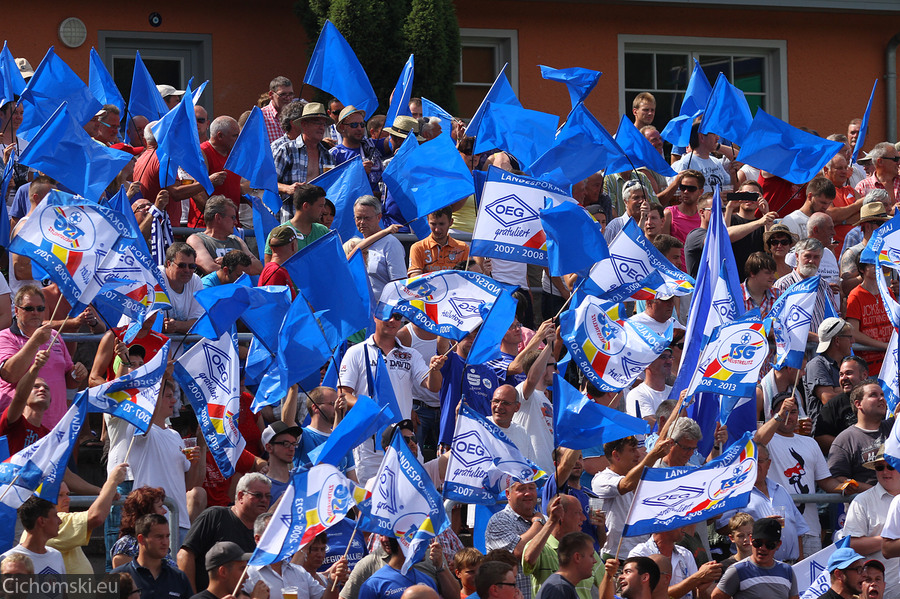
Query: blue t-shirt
[388, 583]
[501, 366]
[278, 489]
[478, 384]
[210, 280]
[311, 439]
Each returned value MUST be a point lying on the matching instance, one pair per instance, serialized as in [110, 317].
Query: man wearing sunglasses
[872, 525]
[352, 126]
[182, 285]
[761, 575]
[885, 157]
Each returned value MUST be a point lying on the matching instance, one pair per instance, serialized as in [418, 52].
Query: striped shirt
[746, 580]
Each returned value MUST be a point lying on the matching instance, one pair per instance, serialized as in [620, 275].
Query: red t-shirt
[247, 425]
[231, 188]
[844, 196]
[216, 485]
[873, 320]
[782, 196]
[152, 342]
[273, 274]
[21, 434]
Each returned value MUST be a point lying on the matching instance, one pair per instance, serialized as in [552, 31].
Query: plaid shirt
[273, 126]
[292, 161]
[504, 530]
[767, 303]
[870, 183]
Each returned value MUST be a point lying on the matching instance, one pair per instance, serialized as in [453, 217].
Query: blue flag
[223, 305]
[343, 185]
[574, 240]
[178, 145]
[501, 92]
[678, 130]
[431, 109]
[486, 346]
[334, 68]
[102, 85]
[362, 421]
[727, 114]
[636, 148]
[144, 98]
[578, 80]
[52, 84]
[484, 461]
[404, 503]
[718, 298]
[864, 125]
[12, 83]
[320, 268]
[792, 315]
[305, 342]
[251, 156]
[526, 134]
[402, 91]
[579, 422]
[730, 362]
[774, 146]
[63, 150]
[424, 178]
[264, 220]
[583, 136]
[4, 192]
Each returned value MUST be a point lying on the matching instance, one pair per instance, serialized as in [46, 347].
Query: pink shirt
[681, 224]
[54, 372]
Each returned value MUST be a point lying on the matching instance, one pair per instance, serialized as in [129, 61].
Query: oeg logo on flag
[510, 211]
[468, 448]
[69, 227]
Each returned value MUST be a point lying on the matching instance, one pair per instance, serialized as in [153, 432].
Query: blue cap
[842, 558]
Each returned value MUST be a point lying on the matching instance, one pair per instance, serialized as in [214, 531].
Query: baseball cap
[766, 529]
[223, 553]
[279, 428]
[828, 330]
[388, 433]
[281, 235]
[167, 90]
[842, 558]
[874, 563]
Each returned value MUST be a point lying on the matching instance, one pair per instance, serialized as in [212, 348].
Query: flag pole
[350, 542]
[569, 299]
[241, 579]
[630, 510]
[10, 485]
[130, 445]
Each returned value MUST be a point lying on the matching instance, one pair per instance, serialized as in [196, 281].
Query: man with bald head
[223, 132]
[661, 590]
[504, 405]
[420, 591]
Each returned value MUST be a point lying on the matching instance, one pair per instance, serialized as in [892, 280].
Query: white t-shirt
[797, 463]
[683, 563]
[713, 170]
[646, 399]
[606, 485]
[184, 304]
[796, 222]
[291, 576]
[535, 415]
[44, 563]
[120, 434]
[519, 437]
[512, 273]
[157, 461]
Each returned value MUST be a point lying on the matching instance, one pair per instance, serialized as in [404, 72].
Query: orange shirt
[427, 256]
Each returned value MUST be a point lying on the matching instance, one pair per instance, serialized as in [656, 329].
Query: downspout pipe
[890, 80]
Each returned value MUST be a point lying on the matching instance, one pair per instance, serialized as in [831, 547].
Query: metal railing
[85, 501]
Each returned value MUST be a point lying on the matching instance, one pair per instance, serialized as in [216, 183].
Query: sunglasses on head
[770, 545]
[882, 466]
[690, 188]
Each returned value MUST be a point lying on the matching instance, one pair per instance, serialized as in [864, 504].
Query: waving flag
[364, 420]
[424, 178]
[264, 219]
[509, 221]
[889, 377]
[334, 68]
[574, 239]
[812, 573]
[727, 113]
[578, 80]
[404, 503]
[315, 500]
[669, 498]
[483, 461]
[251, 156]
[343, 185]
[501, 92]
[445, 303]
[611, 354]
[731, 360]
[8, 171]
[52, 84]
[774, 146]
[209, 374]
[70, 242]
[792, 315]
[890, 304]
[132, 397]
[635, 269]
[304, 342]
[580, 423]
[62, 149]
[638, 152]
[402, 91]
[12, 83]
[582, 135]
[431, 109]
[526, 134]
[884, 245]
[678, 130]
[178, 145]
[494, 326]
[144, 98]
[102, 86]
[42, 464]
[718, 298]
[864, 126]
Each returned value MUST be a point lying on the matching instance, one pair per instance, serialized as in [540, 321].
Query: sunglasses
[185, 265]
[894, 158]
[397, 317]
[882, 466]
[690, 188]
[32, 308]
[770, 545]
[780, 241]
[355, 125]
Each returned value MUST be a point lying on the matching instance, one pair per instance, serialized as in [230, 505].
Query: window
[484, 52]
[662, 66]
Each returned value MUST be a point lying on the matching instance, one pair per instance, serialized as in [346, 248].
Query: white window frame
[506, 41]
[776, 79]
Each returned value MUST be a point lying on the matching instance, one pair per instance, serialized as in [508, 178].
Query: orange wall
[832, 58]
[251, 43]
